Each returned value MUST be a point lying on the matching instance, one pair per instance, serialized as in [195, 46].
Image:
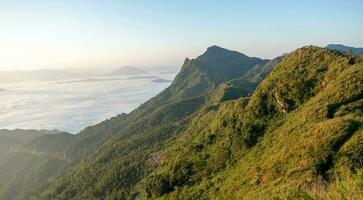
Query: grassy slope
[302, 126]
[119, 163]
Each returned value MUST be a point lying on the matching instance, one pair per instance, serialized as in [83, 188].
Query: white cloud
[73, 106]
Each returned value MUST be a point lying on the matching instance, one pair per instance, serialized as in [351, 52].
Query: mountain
[345, 49]
[229, 126]
[119, 146]
[126, 70]
[297, 137]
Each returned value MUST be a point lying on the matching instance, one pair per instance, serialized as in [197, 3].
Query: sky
[104, 34]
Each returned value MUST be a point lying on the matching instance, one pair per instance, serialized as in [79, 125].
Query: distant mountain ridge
[345, 49]
[127, 70]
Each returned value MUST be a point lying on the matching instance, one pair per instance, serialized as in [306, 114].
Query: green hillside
[228, 127]
[119, 163]
[298, 136]
[120, 145]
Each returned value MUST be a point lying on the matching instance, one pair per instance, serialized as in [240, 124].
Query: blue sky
[104, 34]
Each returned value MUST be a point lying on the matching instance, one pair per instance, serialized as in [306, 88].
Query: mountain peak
[215, 52]
[127, 70]
[215, 48]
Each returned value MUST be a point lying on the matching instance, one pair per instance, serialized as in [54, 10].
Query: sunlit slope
[300, 130]
[119, 163]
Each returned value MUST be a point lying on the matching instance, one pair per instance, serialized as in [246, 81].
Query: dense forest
[229, 126]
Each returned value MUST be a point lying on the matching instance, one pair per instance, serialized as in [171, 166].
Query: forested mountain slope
[107, 159]
[298, 136]
[119, 163]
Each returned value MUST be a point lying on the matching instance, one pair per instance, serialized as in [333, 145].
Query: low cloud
[72, 106]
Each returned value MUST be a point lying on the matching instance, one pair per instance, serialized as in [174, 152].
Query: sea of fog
[71, 105]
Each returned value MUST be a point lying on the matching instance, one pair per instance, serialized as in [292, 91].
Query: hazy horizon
[98, 34]
[94, 70]
[73, 104]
